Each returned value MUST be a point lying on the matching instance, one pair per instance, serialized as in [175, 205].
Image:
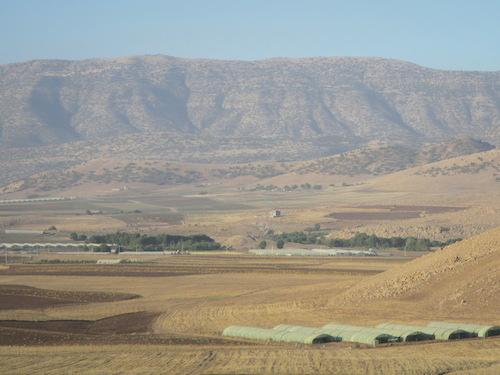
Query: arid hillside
[474, 172]
[64, 170]
[108, 171]
[343, 100]
[462, 277]
[381, 158]
[471, 182]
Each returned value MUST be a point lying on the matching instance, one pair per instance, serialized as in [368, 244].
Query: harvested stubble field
[199, 265]
[175, 326]
[443, 358]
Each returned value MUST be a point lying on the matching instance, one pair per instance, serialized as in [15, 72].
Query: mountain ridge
[353, 100]
[259, 60]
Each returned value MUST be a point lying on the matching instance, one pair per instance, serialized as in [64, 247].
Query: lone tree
[262, 244]
[280, 243]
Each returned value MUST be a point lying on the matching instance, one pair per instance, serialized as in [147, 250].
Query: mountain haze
[347, 101]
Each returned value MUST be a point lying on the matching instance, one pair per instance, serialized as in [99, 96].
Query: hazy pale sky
[460, 34]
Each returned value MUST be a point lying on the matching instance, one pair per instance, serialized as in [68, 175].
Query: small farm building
[276, 213]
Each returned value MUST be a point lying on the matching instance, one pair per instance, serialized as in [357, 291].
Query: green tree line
[148, 242]
[362, 240]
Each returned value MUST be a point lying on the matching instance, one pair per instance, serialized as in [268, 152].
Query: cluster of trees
[305, 237]
[373, 241]
[279, 244]
[146, 242]
[362, 240]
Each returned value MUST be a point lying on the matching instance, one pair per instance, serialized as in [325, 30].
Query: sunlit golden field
[194, 297]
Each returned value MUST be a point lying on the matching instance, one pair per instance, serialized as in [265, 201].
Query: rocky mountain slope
[342, 101]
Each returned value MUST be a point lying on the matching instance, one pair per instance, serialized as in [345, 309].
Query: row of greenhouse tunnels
[381, 334]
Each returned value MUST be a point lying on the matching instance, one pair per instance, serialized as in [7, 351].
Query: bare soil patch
[24, 297]
[139, 322]
[428, 209]
[391, 212]
[367, 215]
[131, 328]
[171, 270]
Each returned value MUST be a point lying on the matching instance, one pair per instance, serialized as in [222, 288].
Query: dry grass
[461, 281]
[291, 290]
[230, 214]
[436, 358]
[197, 296]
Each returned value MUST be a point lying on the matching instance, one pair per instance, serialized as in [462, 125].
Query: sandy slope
[469, 176]
[463, 277]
